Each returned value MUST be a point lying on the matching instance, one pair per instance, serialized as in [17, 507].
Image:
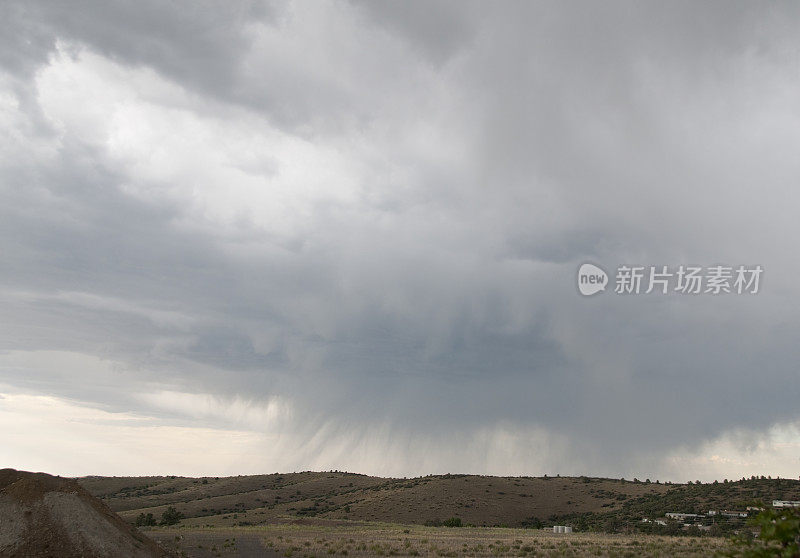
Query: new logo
[591, 279]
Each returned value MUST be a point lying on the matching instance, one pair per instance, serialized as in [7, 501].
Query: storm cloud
[348, 233]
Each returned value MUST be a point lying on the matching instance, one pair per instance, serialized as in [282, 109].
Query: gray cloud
[498, 148]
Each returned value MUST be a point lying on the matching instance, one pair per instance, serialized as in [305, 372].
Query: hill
[42, 516]
[588, 502]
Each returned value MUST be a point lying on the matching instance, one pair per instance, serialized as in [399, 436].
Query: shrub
[145, 520]
[171, 516]
[532, 523]
[779, 535]
[452, 522]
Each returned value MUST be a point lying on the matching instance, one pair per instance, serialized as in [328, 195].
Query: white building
[730, 513]
[785, 504]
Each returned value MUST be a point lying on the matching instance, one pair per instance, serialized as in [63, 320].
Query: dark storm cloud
[198, 43]
[443, 300]
[439, 29]
[212, 48]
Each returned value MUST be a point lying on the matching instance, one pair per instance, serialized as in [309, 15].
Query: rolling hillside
[593, 503]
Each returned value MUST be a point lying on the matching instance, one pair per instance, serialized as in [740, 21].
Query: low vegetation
[334, 513]
[375, 539]
[778, 536]
[585, 503]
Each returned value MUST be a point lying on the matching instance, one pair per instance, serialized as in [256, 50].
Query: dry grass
[477, 500]
[377, 539]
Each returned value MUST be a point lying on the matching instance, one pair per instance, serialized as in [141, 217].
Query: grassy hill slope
[591, 503]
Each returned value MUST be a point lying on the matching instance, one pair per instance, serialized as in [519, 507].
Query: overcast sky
[254, 237]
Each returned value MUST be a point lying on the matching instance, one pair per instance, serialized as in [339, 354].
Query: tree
[171, 516]
[611, 525]
[145, 520]
[672, 528]
[533, 523]
[779, 535]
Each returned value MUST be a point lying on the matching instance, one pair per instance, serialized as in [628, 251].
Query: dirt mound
[46, 516]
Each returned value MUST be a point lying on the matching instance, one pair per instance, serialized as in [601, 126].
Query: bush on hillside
[171, 516]
[145, 520]
[779, 535]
